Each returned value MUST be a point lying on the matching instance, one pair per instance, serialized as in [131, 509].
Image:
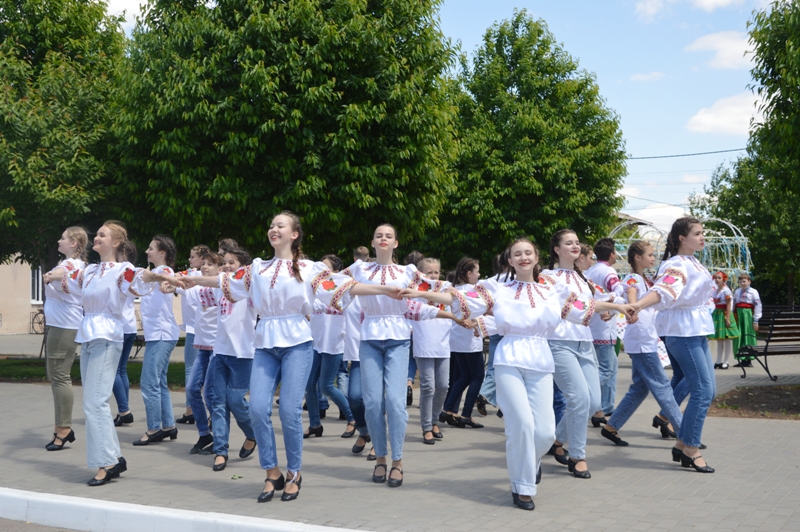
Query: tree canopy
[539, 150]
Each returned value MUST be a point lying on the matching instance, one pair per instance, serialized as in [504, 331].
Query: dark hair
[555, 241]
[604, 248]
[214, 257]
[200, 250]
[241, 255]
[464, 266]
[394, 259]
[451, 277]
[127, 251]
[680, 228]
[637, 249]
[297, 243]
[537, 269]
[428, 260]
[745, 275]
[167, 245]
[335, 261]
[227, 244]
[586, 250]
[361, 253]
[413, 258]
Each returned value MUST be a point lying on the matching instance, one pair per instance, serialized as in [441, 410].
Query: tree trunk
[790, 288]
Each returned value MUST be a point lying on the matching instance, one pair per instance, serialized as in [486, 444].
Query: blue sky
[673, 70]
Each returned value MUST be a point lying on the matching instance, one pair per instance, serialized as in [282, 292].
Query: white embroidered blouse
[685, 287]
[61, 309]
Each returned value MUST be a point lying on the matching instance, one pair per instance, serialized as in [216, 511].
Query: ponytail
[680, 228]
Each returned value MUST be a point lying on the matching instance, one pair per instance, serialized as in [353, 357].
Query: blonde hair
[118, 231]
[78, 235]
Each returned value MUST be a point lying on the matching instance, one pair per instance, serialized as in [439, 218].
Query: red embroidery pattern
[65, 283]
[383, 276]
[340, 292]
[462, 301]
[321, 276]
[589, 313]
[530, 295]
[239, 274]
[226, 287]
[248, 276]
[482, 326]
[207, 299]
[486, 296]
[674, 272]
[225, 306]
[414, 310]
[568, 304]
[275, 275]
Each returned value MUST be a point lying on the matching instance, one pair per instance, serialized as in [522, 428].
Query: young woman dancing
[681, 293]
[526, 314]
[63, 315]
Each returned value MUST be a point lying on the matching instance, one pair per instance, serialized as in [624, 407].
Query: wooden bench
[779, 330]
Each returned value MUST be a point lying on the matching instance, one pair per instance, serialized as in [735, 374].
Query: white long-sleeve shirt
[573, 282]
[190, 306]
[61, 309]
[527, 315]
[641, 336]
[463, 340]
[432, 338]
[685, 287]
[236, 323]
[205, 323]
[607, 281]
[158, 319]
[327, 329]
[353, 316]
[749, 297]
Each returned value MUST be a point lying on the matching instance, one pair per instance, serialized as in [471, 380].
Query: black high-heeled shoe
[522, 505]
[155, 437]
[662, 425]
[172, 433]
[121, 420]
[597, 421]
[371, 457]
[427, 441]
[244, 452]
[379, 479]
[121, 467]
[203, 443]
[187, 420]
[451, 420]
[358, 449]
[442, 417]
[395, 482]
[409, 396]
[223, 465]
[108, 475]
[613, 436]
[53, 446]
[292, 496]
[688, 462]
[277, 485]
[562, 459]
[349, 433]
[437, 433]
[313, 431]
[579, 474]
[676, 454]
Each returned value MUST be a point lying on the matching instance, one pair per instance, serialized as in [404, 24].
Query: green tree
[238, 109]
[775, 36]
[539, 150]
[57, 59]
[767, 214]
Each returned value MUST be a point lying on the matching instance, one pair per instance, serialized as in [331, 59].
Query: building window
[37, 286]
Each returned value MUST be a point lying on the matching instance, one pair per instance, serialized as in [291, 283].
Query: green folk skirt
[721, 332]
[744, 319]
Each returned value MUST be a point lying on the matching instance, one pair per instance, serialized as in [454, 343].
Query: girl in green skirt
[747, 311]
[725, 328]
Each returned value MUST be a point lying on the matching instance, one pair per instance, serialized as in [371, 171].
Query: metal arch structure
[643, 231]
[729, 253]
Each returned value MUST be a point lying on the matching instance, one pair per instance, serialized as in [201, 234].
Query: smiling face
[695, 240]
[568, 249]
[281, 231]
[67, 246]
[384, 239]
[105, 244]
[231, 263]
[209, 268]
[523, 258]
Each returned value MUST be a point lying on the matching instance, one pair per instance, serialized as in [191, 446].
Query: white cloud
[630, 191]
[728, 116]
[648, 9]
[711, 5]
[661, 215]
[131, 9]
[729, 49]
[652, 76]
[694, 178]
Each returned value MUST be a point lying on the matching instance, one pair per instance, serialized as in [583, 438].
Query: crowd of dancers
[316, 331]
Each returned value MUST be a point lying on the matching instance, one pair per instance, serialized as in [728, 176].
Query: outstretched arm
[440, 298]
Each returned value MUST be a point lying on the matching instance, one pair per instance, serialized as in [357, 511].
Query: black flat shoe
[371, 457]
[292, 496]
[53, 446]
[597, 421]
[662, 425]
[689, 462]
[427, 441]
[184, 419]
[151, 438]
[450, 419]
[349, 433]
[379, 479]
[395, 482]
[121, 467]
[120, 420]
[522, 505]
[244, 452]
[203, 443]
[357, 449]
[108, 472]
[437, 433]
[466, 422]
[745, 364]
[562, 459]
[323, 413]
[702, 446]
[313, 431]
[223, 465]
[613, 436]
[277, 485]
[676, 454]
[717, 366]
[409, 395]
[578, 474]
[480, 405]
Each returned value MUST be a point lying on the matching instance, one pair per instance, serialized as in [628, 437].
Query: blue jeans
[680, 386]
[289, 366]
[356, 399]
[99, 361]
[155, 393]
[323, 373]
[122, 386]
[559, 403]
[231, 382]
[694, 357]
[488, 388]
[647, 374]
[384, 366]
[342, 377]
[607, 365]
[577, 377]
[201, 384]
[189, 354]
[470, 379]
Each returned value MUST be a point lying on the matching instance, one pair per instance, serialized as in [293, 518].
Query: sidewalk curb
[93, 515]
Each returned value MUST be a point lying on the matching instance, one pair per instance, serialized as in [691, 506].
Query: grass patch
[34, 370]
[766, 402]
